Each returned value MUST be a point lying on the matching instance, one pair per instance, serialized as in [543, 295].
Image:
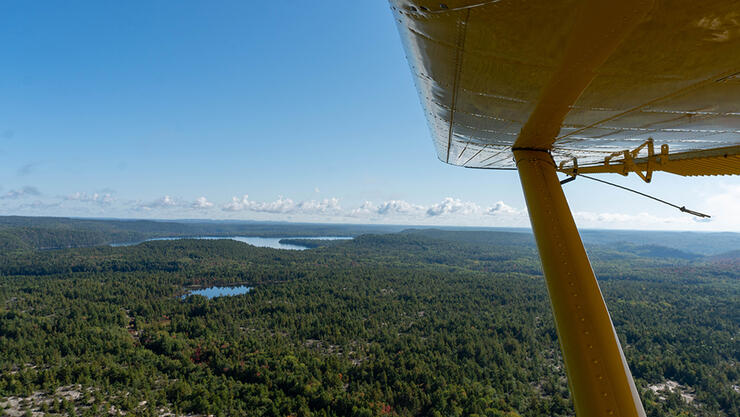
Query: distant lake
[213, 292]
[265, 242]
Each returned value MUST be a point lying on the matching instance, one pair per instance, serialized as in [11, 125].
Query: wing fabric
[483, 67]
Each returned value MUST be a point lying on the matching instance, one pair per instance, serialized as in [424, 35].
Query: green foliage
[420, 323]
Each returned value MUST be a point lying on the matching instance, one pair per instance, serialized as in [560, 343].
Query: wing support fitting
[719, 161]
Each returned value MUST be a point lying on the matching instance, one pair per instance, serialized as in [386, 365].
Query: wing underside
[481, 67]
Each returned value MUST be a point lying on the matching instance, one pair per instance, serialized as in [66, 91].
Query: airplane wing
[579, 86]
[485, 71]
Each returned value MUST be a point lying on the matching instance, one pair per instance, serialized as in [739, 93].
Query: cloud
[366, 208]
[724, 207]
[27, 191]
[387, 208]
[283, 205]
[237, 204]
[165, 202]
[201, 203]
[502, 208]
[448, 206]
[397, 207]
[102, 199]
[320, 206]
[453, 206]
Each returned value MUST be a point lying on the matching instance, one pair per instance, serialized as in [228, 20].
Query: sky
[275, 110]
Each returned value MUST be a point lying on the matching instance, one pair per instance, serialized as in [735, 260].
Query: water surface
[265, 242]
[213, 292]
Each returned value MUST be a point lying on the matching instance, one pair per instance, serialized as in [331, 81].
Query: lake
[265, 242]
[213, 292]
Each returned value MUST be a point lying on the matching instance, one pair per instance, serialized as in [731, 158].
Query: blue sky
[181, 109]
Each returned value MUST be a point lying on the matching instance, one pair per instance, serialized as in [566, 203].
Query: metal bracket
[574, 171]
[628, 160]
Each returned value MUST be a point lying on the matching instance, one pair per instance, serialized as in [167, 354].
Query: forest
[411, 323]
[20, 232]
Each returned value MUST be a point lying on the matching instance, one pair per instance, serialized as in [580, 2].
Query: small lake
[213, 292]
[265, 242]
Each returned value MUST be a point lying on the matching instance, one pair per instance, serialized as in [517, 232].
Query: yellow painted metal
[720, 161]
[600, 380]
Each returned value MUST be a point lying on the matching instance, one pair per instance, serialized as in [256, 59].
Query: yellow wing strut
[598, 374]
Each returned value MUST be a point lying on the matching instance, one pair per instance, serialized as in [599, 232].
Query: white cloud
[102, 199]
[237, 204]
[447, 208]
[201, 203]
[165, 202]
[283, 205]
[387, 208]
[27, 191]
[502, 208]
[364, 210]
[323, 206]
[724, 208]
[397, 207]
[453, 206]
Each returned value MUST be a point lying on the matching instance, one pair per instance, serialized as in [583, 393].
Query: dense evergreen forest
[416, 323]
